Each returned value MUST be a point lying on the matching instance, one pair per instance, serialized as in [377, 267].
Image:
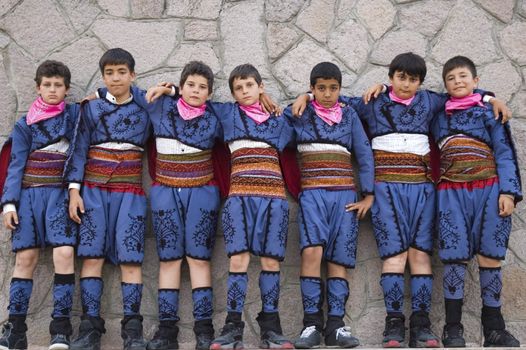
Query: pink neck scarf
[332, 115]
[41, 110]
[455, 104]
[395, 98]
[255, 112]
[188, 112]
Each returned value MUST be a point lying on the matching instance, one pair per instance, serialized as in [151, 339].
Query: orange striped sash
[401, 167]
[326, 169]
[184, 170]
[112, 167]
[44, 168]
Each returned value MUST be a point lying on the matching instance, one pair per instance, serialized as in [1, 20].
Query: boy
[479, 187]
[255, 215]
[326, 134]
[35, 205]
[403, 211]
[107, 159]
[184, 200]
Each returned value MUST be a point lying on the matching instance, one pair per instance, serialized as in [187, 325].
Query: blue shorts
[43, 218]
[469, 224]
[113, 226]
[256, 224]
[323, 221]
[403, 216]
[184, 221]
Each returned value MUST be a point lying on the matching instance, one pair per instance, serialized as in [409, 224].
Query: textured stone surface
[283, 39]
[378, 16]
[281, 11]
[478, 45]
[316, 19]
[513, 42]
[200, 30]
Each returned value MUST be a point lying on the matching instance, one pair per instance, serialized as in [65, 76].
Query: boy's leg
[453, 284]
[268, 319]
[131, 324]
[63, 290]
[392, 282]
[312, 289]
[14, 332]
[420, 335]
[336, 333]
[231, 336]
[202, 296]
[495, 333]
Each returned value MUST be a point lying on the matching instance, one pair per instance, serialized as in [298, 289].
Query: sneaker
[422, 337]
[88, 339]
[231, 337]
[341, 338]
[11, 339]
[203, 341]
[453, 336]
[394, 333]
[273, 340]
[131, 333]
[163, 341]
[309, 338]
[500, 338]
[59, 342]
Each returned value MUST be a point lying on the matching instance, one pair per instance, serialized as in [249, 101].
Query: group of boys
[80, 169]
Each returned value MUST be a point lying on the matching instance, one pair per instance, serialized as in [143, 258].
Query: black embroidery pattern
[88, 229]
[63, 304]
[454, 279]
[502, 231]
[335, 304]
[165, 228]
[198, 126]
[228, 224]
[449, 237]
[60, 222]
[235, 296]
[394, 297]
[204, 307]
[132, 299]
[493, 288]
[350, 243]
[126, 123]
[422, 298]
[283, 226]
[19, 301]
[135, 233]
[205, 229]
[380, 230]
[271, 297]
[89, 301]
[167, 310]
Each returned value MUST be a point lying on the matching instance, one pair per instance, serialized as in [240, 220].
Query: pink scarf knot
[461, 103]
[41, 110]
[188, 112]
[395, 98]
[331, 115]
[255, 112]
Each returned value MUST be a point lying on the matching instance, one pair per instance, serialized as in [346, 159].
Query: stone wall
[284, 39]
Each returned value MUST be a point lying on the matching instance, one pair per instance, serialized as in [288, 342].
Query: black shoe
[453, 336]
[88, 339]
[59, 342]
[163, 341]
[500, 338]
[231, 337]
[203, 341]
[394, 333]
[273, 340]
[309, 338]
[131, 333]
[341, 338]
[422, 337]
[11, 339]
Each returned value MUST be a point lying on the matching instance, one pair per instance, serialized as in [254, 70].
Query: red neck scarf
[188, 112]
[255, 112]
[456, 104]
[395, 98]
[41, 110]
[331, 115]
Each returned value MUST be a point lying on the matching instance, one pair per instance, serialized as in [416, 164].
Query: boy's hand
[10, 220]
[506, 205]
[372, 92]
[268, 104]
[90, 97]
[165, 84]
[155, 92]
[361, 207]
[298, 107]
[76, 205]
[500, 108]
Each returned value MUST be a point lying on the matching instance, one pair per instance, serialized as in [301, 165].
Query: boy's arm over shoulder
[363, 154]
[74, 168]
[358, 104]
[223, 110]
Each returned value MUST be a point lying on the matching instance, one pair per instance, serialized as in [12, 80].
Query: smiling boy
[111, 211]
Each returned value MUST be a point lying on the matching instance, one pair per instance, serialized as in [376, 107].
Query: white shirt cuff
[97, 93]
[487, 98]
[74, 185]
[173, 92]
[9, 207]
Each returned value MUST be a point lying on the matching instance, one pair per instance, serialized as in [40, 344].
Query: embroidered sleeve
[364, 156]
[74, 168]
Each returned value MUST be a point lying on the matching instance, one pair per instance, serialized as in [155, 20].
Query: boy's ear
[476, 80]
[133, 76]
[261, 88]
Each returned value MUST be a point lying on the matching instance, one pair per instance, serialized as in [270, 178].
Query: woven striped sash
[44, 168]
[466, 159]
[325, 169]
[401, 167]
[184, 170]
[256, 172]
[110, 167]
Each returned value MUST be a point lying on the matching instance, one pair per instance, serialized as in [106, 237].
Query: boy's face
[195, 90]
[460, 82]
[326, 91]
[404, 85]
[246, 91]
[118, 79]
[52, 90]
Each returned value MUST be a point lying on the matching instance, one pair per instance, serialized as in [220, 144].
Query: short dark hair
[244, 71]
[325, 70]
[52, 68]
[117, 56]
[409, 63]
[198, 68]
[458, 62]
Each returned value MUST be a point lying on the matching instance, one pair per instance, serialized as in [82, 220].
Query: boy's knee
[419, 257]
[92, 268]
[26, 260]
[63, 255]
[170, 265]
[335, 270]
[395, 263]
[239, 262]
[312, 254]
[269, 264]
[488, 262]
[198, 264]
